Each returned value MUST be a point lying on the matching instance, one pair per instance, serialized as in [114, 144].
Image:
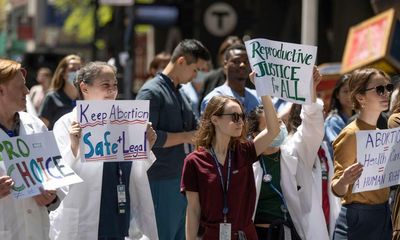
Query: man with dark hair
[237, 69]
[173, 119]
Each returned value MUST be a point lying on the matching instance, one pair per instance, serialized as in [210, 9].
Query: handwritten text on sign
[34, 162]
[113, 130]
[283, 70]
[379, 152]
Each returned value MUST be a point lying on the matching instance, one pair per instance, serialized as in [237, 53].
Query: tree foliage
[80, 21]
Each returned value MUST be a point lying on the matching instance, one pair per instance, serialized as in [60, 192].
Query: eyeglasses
[380, 90]
[235, 116]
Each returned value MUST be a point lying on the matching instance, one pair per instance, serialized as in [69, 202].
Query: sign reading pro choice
[34, 163]
[283, 70]
[379, 152]
[113, 130]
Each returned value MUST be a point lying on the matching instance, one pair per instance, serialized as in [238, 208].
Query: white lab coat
[78, 214]
[23, 218]
[298, 155]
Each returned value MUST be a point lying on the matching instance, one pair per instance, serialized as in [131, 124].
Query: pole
[309, 22]
[96, 30]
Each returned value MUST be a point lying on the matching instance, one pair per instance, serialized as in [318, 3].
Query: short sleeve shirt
[200, 175]
[55, 105]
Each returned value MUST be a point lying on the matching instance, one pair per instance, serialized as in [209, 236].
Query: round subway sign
[220, 19]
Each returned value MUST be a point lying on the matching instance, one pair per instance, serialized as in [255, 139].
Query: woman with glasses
[91, 210]
[62, 93]
[23, 218]
[364, 215]
[218, 177]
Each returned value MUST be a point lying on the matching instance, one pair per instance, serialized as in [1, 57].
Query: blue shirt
[250, 100]
[333, 125]
[170, 111]
[112, 224]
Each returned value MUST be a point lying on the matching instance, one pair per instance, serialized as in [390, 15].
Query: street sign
[220, 19]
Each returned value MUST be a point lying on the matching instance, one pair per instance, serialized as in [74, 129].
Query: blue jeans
[364, 222]
[170, 209]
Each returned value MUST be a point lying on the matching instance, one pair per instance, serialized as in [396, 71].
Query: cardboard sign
[283, 70]
[113, 130]
[34, 163]
[379, 152]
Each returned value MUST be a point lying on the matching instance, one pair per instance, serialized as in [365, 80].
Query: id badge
[121, 198]
[225, 231]
[288, 233]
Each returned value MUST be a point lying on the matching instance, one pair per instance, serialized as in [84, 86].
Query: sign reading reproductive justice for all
[113, 130]
[379, 152]
[283, 70]
[34, 163]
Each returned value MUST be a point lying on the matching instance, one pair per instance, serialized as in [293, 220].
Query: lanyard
[224, 189]
[265, 173]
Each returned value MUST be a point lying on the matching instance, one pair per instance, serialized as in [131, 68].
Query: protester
[158, 64]
[237, 69]
[288, 199]
[224, 206]
[217, 76]
[23, 218]
[174, 122]
[37, 92]
[192, 89]
[364, 215]
[62, 94]
[90, 209]
[340, 111]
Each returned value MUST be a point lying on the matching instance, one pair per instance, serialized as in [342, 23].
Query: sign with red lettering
[34, 163]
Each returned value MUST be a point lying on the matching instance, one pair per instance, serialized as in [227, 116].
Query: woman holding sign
[288, 199]
[218, 177]
[114, 201]
[364, 215]
[24, 218]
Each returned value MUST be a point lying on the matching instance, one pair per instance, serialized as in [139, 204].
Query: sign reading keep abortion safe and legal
[34, 163]
[113, 130]
[283, 70]
[379, 152]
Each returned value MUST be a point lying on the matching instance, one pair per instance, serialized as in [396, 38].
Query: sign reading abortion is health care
[34, 163]
[113, 130]
[379, 152]
[283, 70]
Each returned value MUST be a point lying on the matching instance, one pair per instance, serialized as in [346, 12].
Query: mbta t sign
[220, 19]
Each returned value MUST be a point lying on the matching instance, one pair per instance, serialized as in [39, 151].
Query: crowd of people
[225, 163]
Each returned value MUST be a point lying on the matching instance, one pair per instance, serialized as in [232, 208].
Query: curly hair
[253, 120]
[206, 132]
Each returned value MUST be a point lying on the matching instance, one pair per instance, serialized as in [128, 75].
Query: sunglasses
[235, 116]
[380, 90]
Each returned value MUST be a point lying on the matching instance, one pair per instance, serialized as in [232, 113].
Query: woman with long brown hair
[218, 178]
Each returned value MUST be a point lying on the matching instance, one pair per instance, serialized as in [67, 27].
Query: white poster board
[113, 130]
[379, 152]
[283, 70]
[34, 162]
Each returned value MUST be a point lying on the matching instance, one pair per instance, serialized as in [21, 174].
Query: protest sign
[379, 152]
[34, 163]
[113, 130]
[283, 70]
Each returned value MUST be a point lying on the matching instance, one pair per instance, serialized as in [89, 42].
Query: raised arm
[265, 137]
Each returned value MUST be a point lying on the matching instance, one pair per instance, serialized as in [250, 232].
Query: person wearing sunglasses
[364, 215]
[217, 178]
[23, 218]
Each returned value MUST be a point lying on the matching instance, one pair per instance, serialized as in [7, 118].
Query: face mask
[200, 77]
[281, 136]
[71, 77]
